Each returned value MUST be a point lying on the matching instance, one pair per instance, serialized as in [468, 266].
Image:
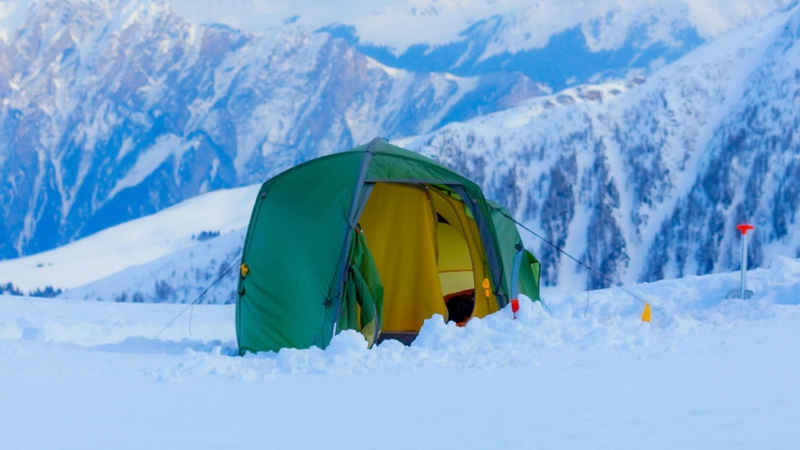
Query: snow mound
[203, 337]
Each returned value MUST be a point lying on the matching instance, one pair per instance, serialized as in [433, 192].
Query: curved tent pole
[338, 281]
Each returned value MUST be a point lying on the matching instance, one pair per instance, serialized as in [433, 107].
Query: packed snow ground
[707, 373]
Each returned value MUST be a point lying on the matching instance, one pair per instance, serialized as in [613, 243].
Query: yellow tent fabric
[400, 228]
[453, 210]
[420, 257]
[455, 264]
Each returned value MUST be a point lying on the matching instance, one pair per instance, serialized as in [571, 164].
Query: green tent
[375, 239]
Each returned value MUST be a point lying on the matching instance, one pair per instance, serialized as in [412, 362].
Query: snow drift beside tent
[376, 239]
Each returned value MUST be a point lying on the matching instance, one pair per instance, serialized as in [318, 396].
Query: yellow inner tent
[425, 246]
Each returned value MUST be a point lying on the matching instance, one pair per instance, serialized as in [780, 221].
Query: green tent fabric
[509, 238]
[363, 292]
[307, 273]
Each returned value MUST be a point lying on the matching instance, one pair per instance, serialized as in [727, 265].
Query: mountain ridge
[128, 108]
[603, 172]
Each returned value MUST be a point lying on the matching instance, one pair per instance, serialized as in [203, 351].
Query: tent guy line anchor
[586, 266]
[742, 292]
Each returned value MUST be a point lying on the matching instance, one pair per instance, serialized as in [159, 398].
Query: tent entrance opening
[428, 254]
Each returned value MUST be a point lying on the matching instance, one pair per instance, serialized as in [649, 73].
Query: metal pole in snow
[744, 265]
[743, 292]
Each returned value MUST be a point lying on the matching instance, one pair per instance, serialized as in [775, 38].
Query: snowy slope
[179, 277]
[708, 373]
[133, 243]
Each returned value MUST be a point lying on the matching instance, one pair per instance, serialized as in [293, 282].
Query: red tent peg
[744, 228]
[514, 307]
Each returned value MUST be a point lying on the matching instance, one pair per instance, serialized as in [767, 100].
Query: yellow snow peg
[646, 313]
[244, 270]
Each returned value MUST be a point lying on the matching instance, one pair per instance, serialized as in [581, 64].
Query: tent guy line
[235, 262]
[584, 265]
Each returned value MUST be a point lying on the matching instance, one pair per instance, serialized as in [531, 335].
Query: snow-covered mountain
[116, 109]
[557, 43]
[650, 184]
[210, 268]
[113, 109]
[643, 180]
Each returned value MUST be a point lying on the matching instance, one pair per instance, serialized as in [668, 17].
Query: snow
[179, 277]
[12, 15]
[132, 243]
[716, 16]
[707, 373]
[148, 162]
